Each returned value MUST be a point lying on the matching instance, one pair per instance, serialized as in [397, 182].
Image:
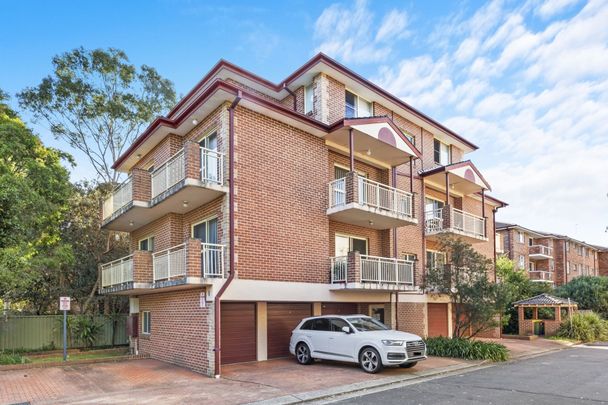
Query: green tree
[98, 102]
[34, 188]
[476, 299]
[589, 292]
[520, 287]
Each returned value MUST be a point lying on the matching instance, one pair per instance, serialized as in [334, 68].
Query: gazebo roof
[545, 299]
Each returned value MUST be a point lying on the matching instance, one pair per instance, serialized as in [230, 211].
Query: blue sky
[527, 81]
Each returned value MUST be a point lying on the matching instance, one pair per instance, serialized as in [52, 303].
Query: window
[521, 237]
[522, 262]
[356, 106]
[210, 161]
[146, 326]
[442, 152]
[308, 98]
[321, 324]
[529, 241]
[336, 324]
[147, 244]
[432, 208]
[435, 259]
[409, 137]
[345, 244]
[206, 231]
[567, 246]
[307, 325]
[568, 268]
[410, 257]
[365, 324]
[531, 266]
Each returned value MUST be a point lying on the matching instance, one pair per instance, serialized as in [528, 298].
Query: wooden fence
[45, 332]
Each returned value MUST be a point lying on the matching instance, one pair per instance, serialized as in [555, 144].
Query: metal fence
[45, 332]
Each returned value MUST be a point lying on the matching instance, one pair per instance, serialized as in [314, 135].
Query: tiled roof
[544, 299]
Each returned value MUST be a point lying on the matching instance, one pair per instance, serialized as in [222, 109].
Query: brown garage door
[438, 319]
[282, 319]
[339, 308]
[238, 332]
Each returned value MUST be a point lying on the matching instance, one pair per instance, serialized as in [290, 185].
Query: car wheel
[408, 365]
[303, 354]
[370, 361]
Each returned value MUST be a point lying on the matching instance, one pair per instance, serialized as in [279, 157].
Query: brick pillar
[353, 267]
[192, 154]
[193, 258]
[142, 184]
[520, 321]
[352, 187]
[447, 216]
[142, 266]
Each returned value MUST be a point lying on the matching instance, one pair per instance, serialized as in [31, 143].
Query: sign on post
[64, 305]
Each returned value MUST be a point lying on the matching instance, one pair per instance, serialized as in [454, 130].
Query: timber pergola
[526, 326]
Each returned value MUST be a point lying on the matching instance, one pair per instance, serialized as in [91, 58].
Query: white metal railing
[541, 250]
[117, 272]
[338, 266]
[212, 260]
[540, 275]
[212, 166]
[433, 220]
[468, 223]
[169, 263]
[378, 195]
[386, 270]
[337, 192]
[121, 195]
[372, 194]
[168, 174]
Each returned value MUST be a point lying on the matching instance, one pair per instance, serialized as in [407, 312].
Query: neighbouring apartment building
[252, 205]
[548, 257]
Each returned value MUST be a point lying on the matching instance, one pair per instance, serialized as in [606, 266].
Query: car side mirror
[346, 329]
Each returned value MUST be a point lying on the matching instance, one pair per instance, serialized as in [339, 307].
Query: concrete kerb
[394, 381]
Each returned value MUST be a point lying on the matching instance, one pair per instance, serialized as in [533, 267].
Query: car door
[341, 345]
[318, 336]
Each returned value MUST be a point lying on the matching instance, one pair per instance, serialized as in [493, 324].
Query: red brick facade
[283, 236]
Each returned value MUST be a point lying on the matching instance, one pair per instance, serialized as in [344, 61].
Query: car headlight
[392, 342]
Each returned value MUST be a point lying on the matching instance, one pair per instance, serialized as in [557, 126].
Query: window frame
[522, 262]
[207, 219]
[350, 242]
[435, 253]
[357, 107]
[148, 239]
[146, 323]
[438, 152]
[309, 108]
[521, 237]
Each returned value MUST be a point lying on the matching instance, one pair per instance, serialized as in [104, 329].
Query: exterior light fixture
[371, 223]
[194, 121]
[185, 204]
[131, 223]
[369, 152]
[139, 155]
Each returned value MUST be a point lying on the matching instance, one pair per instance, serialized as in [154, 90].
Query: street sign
[64, 303]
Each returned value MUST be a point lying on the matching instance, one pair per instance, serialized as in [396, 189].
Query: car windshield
[366, 324]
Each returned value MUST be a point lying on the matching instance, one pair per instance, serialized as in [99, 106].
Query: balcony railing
[121, 196]
[460, 221]
[212, 166]
[212, 260]
[170, 173]
[540, 275]
[372, 194]
[169, 263]
[374, 269]
[117, 272]
[541, 250]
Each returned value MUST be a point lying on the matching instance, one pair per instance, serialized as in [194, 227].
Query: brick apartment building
[253, 204]
[548, 257]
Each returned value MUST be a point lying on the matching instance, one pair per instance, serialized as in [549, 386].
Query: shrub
[466, 349]
[588, 292]
[86, 330]
[586, 327]
[11, 358]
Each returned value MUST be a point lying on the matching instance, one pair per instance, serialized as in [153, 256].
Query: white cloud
[533, 95]
[346, 33]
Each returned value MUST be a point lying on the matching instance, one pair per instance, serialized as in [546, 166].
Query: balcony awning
[464, 177]
[376, 140]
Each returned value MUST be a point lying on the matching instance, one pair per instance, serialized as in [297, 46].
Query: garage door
[282, 319]
[438, 319]
[339, 308]
[238, 332]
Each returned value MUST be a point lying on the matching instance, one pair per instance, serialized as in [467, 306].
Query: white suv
[357, 339]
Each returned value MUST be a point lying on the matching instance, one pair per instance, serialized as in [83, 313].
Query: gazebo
[543, 314]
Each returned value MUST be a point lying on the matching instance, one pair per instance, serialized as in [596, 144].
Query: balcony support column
[351, 149]
[447, 188]
[483, 213]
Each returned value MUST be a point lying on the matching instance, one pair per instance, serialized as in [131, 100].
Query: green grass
[467, 349]
[12, 358]
[76, 356]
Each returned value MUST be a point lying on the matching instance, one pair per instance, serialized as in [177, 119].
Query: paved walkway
[151, 381]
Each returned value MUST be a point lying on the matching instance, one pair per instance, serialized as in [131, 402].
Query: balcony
[192, 177]
[540, 252]
[359, 201]
[364, 272]
[451, 220]
[187, 265]
[541, 276]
